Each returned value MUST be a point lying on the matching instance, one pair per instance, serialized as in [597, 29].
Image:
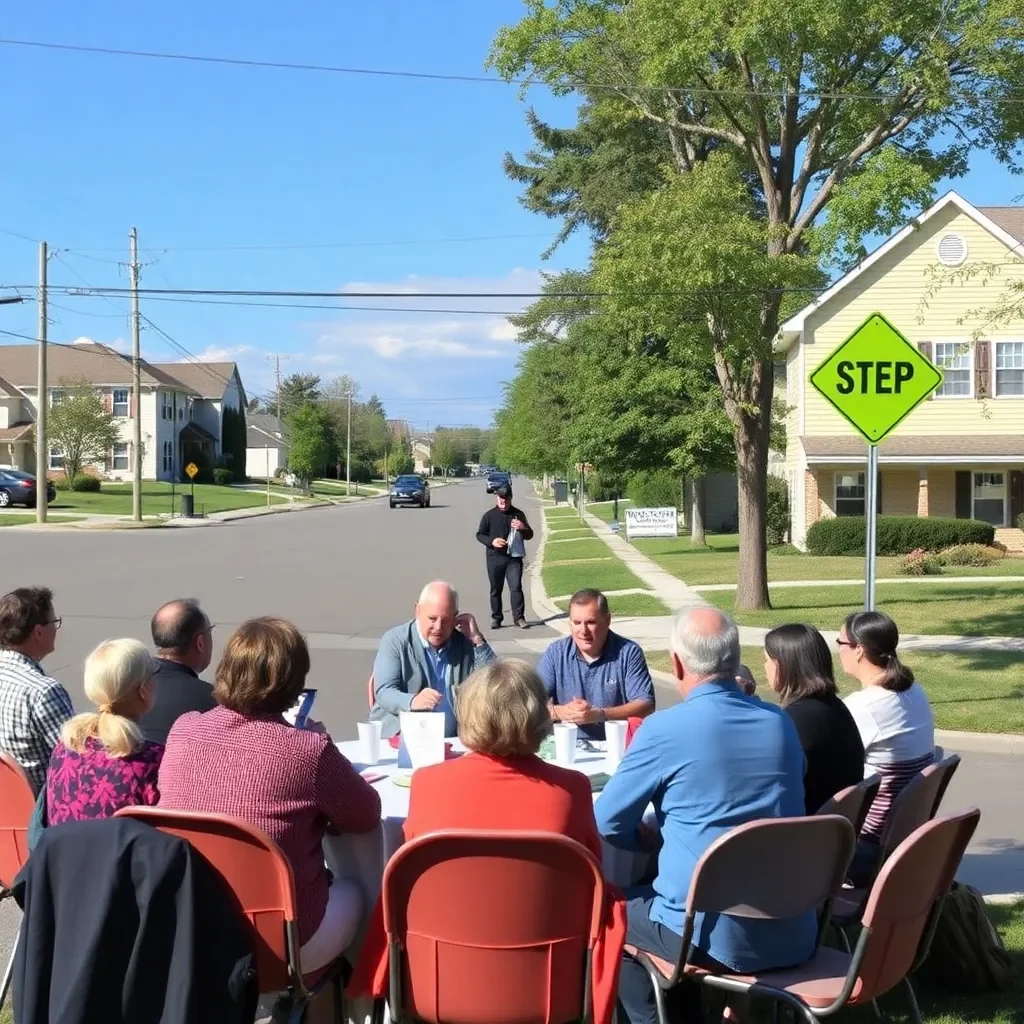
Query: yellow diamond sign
[876, 378]
[192, 469]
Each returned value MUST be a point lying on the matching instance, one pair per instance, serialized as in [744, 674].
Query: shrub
[657, 489]
[603, 487]
[85, 482]
[920, 563]
[777, 513]
[62, 483]
[896, 535]
[223, 476]
[1020, 521]
[970, 554]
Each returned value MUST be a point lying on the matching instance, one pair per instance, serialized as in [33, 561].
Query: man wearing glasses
[182, 636]
[33, 706]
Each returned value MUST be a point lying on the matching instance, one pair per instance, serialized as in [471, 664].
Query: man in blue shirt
[717, 760]
[595, 675]
[420, 664]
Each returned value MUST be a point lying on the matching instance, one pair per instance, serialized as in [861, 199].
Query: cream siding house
[961, 452]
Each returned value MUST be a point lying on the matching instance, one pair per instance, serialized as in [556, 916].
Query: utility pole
[42, 397]
[133, 241]
[348, 447]
[277, 377]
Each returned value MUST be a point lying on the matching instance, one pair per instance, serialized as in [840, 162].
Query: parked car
[410, 490]
[496, 480]
[19, 488]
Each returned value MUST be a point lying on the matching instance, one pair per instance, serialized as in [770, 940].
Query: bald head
[181, 632]
[436, 611]
[705, 643]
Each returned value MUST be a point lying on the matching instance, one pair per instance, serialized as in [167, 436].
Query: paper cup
[565, 743]
[615, 734]
[369, 742]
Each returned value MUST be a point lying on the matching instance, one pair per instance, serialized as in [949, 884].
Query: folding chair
[491, 927]
[371, 693]
[854, 802]
[258, 874]
[17, 803]
[897, 928]
[801, 863]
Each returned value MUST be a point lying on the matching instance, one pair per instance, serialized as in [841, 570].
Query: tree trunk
[752, 436]
[697, 508]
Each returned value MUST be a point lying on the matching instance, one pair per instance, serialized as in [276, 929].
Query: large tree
[81, 427]
[828, 122]
[311, 441]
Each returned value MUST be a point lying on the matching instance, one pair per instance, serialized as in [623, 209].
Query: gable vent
[952, 250]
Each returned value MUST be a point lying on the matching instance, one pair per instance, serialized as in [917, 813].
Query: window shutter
[963, 494]
[131, 403]
[108, 402]
[878, 492]
[982, 369]
[925, 348]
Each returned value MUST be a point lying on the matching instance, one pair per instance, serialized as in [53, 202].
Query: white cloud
[220, 354]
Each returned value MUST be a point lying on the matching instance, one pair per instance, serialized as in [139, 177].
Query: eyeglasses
[846, 643]
[53, 622]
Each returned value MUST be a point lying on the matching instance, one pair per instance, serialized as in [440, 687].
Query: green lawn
[961, 609]
[15, 519]
[604, 574]
[570, 532]
[116, 499]
[972, 691]
[717, 563]
[624, 605]
[603, 509]
[576, 549]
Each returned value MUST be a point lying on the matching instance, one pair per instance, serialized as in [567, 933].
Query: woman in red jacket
[502, 784]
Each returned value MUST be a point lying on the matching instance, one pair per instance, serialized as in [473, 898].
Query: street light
[10, 300]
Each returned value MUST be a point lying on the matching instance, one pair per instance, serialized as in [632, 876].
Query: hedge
[896, 535]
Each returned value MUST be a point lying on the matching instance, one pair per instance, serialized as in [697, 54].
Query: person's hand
[314, 726]
[466, 623]
[499, 542]
[517, 524]
[577, 712]
[426, 700]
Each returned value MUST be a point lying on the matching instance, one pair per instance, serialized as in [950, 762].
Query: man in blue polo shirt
[595, 675]
[719, 759]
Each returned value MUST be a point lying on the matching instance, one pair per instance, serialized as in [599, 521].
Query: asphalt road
[344, 575]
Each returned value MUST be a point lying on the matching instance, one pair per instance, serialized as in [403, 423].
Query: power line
[194, 58]
[232, 303]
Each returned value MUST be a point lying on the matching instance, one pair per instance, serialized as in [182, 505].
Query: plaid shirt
[33, 708]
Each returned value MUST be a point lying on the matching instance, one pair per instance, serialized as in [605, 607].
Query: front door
[1016, 496]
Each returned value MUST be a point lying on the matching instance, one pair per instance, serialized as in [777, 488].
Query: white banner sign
[651, 522]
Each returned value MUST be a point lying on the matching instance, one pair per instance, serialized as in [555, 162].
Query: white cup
[369, 741]
[615, 734]
[565, 742]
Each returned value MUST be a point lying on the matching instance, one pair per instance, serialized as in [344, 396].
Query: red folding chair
[801, 862]
[17, 803]
[491, 927]
[854, 802]
[896, 930]
[257, 872]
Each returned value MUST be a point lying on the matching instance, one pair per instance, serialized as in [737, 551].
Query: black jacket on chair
[128, 925]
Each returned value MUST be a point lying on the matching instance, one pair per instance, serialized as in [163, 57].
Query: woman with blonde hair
[102, 761]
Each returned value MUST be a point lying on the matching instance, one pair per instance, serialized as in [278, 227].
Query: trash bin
[561, 490]
[187, 506]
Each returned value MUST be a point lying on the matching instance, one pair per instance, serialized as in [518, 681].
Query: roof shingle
[948, 445]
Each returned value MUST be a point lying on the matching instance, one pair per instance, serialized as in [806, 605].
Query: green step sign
[876, 378]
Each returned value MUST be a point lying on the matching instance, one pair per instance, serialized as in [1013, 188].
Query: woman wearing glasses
[894, 718]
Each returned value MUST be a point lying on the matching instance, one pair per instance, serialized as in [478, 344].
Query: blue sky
[201, 158]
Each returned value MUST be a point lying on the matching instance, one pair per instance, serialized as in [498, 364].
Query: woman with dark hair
[894, 718]
[798, 666]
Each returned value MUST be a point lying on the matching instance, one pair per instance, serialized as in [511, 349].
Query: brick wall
[900, 492]
[942, 492]
[812, 506]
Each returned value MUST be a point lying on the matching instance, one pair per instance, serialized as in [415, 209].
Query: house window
[1009, 368]
[56, 457]
[850, 494]
[119, 403]
[954, 358]
[119, 455]
[168, 466]
[990, 498]
[167, 406]
[56, 397]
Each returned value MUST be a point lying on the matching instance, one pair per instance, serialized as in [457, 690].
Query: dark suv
[19, 488]
[410, 490]
[496, 480]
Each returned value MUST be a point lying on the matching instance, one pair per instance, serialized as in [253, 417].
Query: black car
[19, 488]
[496, 480]
[410, 490]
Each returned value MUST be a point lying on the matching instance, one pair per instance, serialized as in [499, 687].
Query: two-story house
[178, 418]
[958, 454]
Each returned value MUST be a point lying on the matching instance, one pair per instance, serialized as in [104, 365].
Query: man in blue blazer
[421, 663]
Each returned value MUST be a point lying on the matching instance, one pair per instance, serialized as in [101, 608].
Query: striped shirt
[33, 710]
[894, 778]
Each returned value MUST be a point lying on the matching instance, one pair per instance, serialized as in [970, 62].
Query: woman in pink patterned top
[102, 762]
[244, 759]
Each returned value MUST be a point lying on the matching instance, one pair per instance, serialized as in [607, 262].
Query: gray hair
[706, 641]
[436, 587]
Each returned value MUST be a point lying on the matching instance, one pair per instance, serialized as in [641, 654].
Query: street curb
[539, 600]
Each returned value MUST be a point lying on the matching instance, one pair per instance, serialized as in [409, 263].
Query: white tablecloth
[362, 858]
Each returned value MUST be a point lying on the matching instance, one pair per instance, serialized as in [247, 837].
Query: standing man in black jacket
[495, 527]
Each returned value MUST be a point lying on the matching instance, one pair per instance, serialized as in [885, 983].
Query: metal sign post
[875, 379]
[871, 532]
